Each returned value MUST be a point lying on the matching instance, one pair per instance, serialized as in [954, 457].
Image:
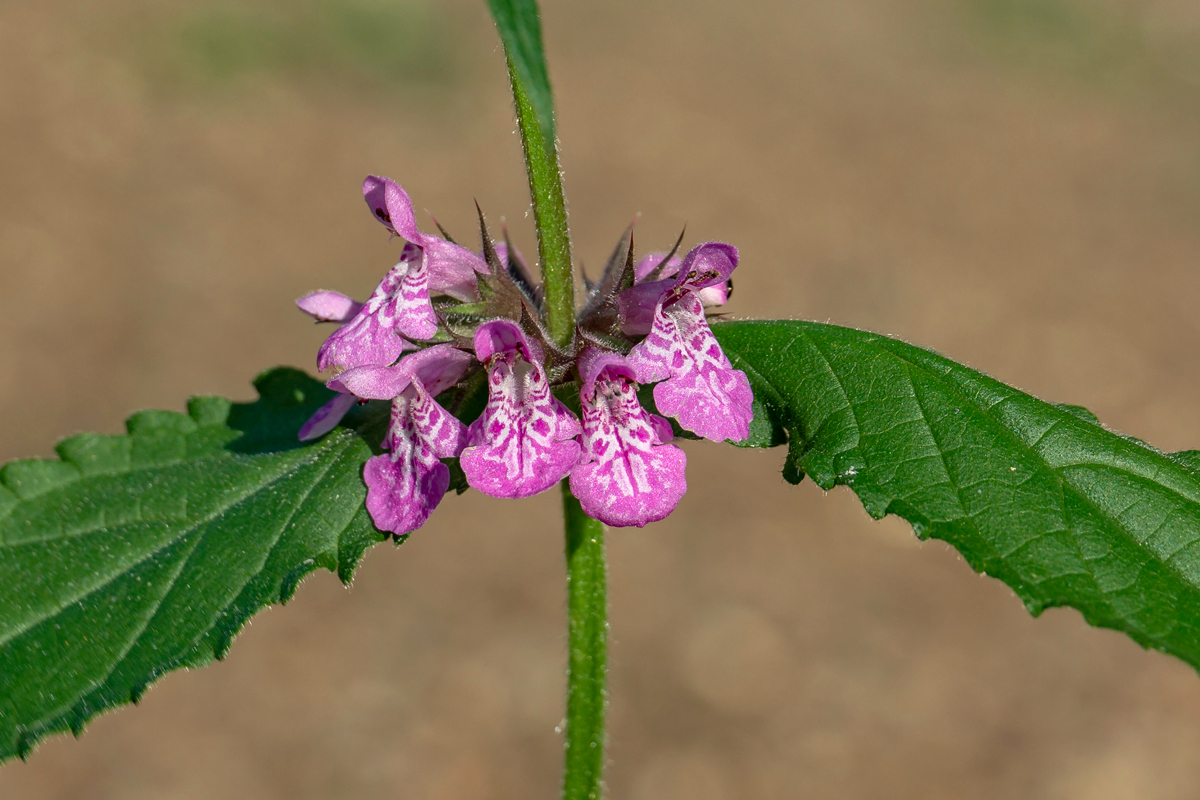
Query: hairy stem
[549, 216]
[587, 670]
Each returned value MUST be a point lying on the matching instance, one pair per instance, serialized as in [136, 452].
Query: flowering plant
[134, 555]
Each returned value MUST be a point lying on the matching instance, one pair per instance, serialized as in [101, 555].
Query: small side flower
[400, 308]
[406, 484]
[699, 386]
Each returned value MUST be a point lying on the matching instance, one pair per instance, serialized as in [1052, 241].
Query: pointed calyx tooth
[489, 250]
[589, 285]
[501, 296]
[445, 234]
[620, 344]
[461, 333]
[614, 270]
[656, 273]
[559, 360]
[520, 273]
[599, 315]
[459, 319]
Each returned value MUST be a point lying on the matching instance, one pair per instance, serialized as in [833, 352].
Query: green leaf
[520, 28]
[1040, 496]
[138, 554]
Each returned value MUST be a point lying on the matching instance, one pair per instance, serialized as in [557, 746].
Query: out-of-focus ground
[1015, 183]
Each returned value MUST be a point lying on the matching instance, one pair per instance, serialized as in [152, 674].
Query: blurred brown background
[1015, 183]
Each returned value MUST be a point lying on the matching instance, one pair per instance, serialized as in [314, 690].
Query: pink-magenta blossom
[629, 474]
[405, 484]
[699, 387]
[524, 442]
[400, 308]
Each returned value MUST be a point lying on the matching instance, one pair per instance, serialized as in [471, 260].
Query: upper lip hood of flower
[593, 361]
[707, 265]
[504, 336]
[452, 268]
[705, 270]
[524, 442]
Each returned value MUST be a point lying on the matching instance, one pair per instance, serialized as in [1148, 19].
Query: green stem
[549, 216]
[587, 670]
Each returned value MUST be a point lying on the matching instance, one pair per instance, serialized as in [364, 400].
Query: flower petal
[452, 269]
[439, 430]
[391, 205]
[326, 417]
[402, 492]
[662, 429]
[405, 304]
[714, 296]
[405, 485]
[329, 306]
[700, 388]
[363, 340]
[636, 305]
[593, 362]
[524, 442]
[711, 296]
[627, 475]
[503, 336]
[437, 368]
[372, 382]
[706, 265]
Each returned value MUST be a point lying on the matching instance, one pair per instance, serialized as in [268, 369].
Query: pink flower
[400, 306]
[406, 484]
[524, 442]
[699, 386]
[629, 474]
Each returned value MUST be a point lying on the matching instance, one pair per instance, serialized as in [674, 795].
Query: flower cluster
[447, 317]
